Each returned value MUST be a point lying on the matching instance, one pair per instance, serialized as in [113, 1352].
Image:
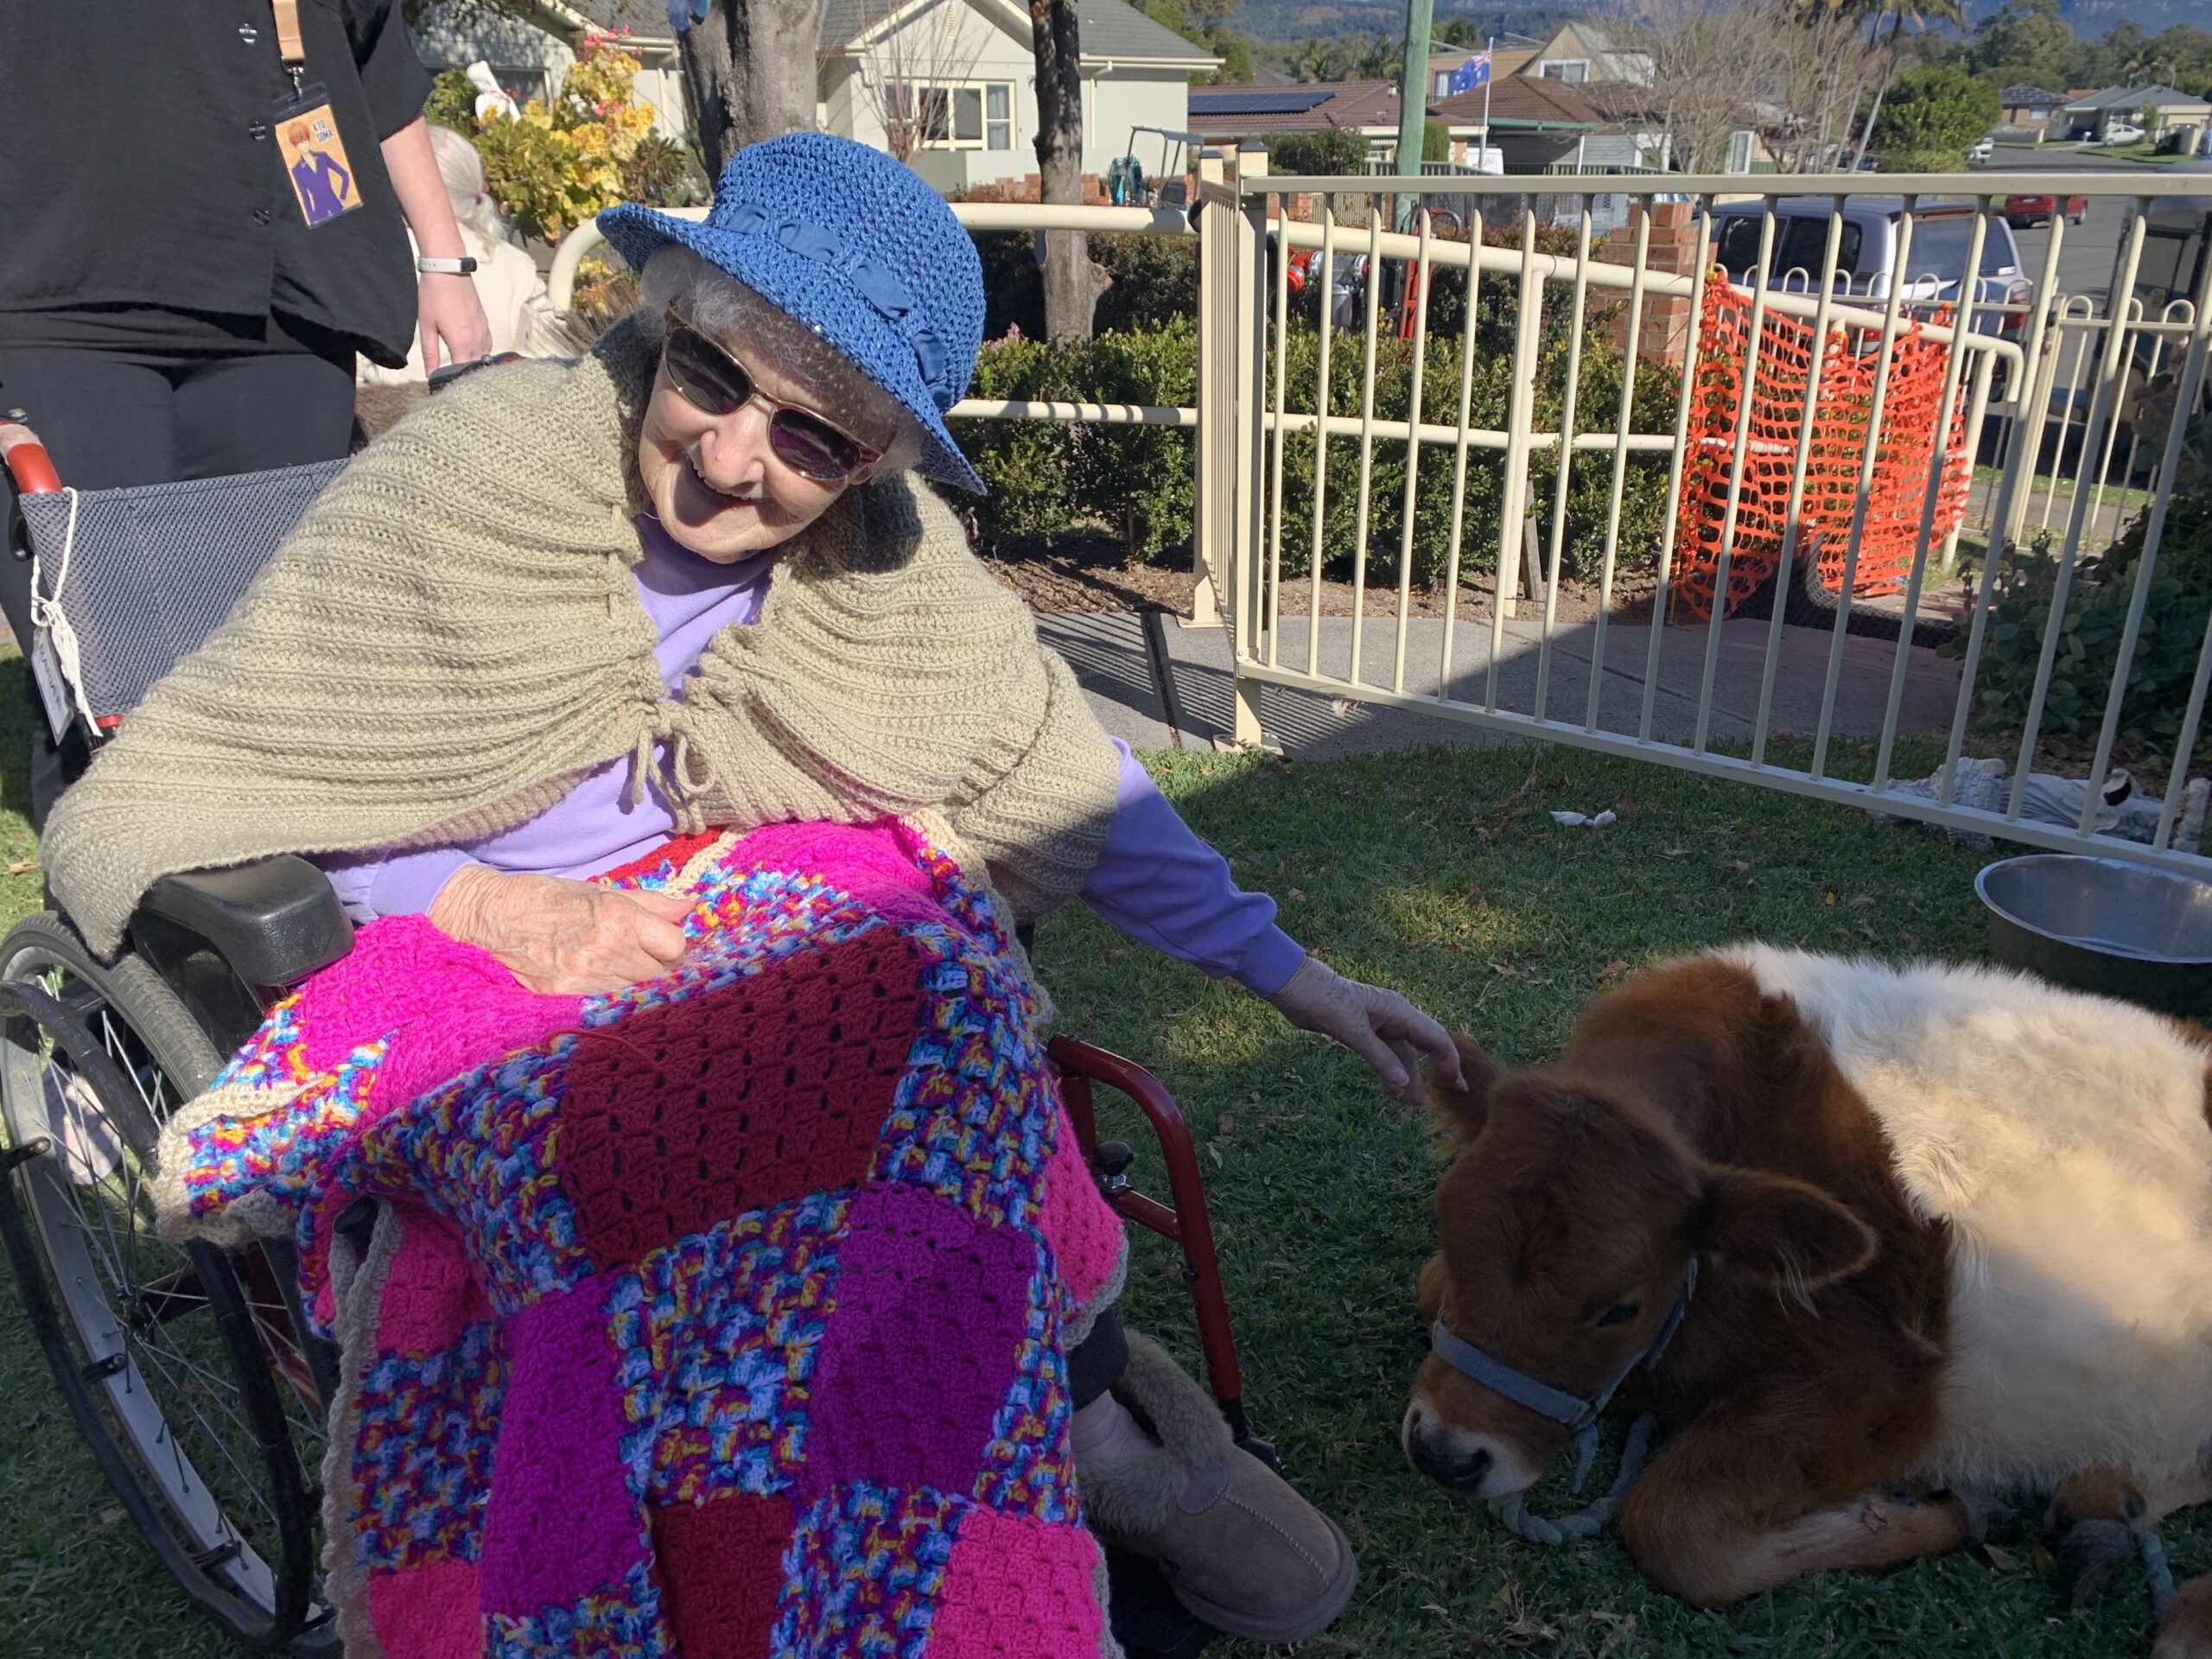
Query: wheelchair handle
[28, 464]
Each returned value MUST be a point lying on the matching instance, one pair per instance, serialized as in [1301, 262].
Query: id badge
[53, 689]
[321, 178]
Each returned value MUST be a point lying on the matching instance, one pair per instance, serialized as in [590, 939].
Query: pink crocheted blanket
[724, 1317]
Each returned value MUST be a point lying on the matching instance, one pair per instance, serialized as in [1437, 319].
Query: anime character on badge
[315, 158]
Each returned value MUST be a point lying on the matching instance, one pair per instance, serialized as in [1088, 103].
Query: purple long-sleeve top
[1154, 880]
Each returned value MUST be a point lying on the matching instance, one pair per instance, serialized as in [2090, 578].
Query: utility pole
[1413, 102]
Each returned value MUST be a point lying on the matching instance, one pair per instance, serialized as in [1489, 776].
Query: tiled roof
[2019, 97]
[1111, 29]
[648, 18]
[1107, 28]
[2134, 98]
[1522, 101]
[1226, 113]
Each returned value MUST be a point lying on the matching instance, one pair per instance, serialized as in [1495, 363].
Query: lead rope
[1589, 1522]
[2160, 1571]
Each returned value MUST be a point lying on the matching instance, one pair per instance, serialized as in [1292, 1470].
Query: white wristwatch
[463, 266]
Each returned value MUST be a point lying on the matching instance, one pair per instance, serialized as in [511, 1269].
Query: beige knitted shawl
[452, 637]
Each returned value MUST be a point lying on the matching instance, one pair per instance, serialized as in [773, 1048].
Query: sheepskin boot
[1237, 1545]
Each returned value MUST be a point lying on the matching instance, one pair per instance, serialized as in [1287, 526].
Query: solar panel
[1290, 103]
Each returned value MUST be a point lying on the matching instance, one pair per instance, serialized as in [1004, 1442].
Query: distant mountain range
[1299, 20]
[2091, 19]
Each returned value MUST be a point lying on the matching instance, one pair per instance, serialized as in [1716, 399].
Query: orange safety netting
[1910, 412]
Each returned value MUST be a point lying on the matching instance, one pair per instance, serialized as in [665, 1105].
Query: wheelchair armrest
[274, 922]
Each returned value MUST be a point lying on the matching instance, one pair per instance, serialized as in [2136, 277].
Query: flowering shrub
[563, 160]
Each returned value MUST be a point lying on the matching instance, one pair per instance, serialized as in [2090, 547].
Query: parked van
[1866, 259]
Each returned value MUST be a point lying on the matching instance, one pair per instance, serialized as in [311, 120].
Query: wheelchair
[191, 1372]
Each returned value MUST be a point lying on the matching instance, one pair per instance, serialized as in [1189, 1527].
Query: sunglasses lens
[809, 446]
[705, 373]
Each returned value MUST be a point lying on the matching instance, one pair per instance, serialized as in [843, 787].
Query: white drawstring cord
[48, 615]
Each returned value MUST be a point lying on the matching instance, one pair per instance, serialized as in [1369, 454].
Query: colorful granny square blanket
[723, 1317]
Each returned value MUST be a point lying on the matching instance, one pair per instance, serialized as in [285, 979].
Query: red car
[2021, 211]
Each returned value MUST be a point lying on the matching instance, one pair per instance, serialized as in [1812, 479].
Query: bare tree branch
[1794, 71]
[907, 76]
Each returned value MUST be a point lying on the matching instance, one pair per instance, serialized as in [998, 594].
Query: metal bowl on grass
[2104, 925]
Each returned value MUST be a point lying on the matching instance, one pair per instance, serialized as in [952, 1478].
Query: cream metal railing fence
[2040, 416]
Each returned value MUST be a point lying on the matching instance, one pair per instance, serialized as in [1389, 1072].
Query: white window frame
[1556, 69]
[951, 91]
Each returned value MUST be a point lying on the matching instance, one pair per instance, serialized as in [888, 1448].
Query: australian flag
[1472, 74]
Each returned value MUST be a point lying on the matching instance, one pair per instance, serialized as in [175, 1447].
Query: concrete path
[1106, 652]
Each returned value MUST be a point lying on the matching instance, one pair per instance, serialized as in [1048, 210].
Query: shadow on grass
[1440, 873]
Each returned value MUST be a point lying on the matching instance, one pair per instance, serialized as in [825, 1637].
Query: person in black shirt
[167, 310]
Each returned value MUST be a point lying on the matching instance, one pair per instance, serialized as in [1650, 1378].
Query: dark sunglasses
[714, 383]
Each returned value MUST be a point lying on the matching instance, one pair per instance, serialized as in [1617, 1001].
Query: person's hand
[566, 939]
[451, 318]
[1379, 1026]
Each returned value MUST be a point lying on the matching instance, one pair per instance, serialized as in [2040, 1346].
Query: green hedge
[1047, 479]
[1589, 487]
[1155, 279]
[1340, 150]
[2164, 662]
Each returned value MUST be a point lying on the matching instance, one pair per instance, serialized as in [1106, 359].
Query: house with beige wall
[972, 69]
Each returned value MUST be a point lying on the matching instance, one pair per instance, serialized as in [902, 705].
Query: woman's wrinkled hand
[565, 938]
[1379, 1026]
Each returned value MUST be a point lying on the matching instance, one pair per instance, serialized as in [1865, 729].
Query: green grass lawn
[1439, 872]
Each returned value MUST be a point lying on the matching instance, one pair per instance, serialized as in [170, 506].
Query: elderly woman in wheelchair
[735, 1284]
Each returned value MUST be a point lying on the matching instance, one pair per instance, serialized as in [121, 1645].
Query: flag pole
[1490, 74]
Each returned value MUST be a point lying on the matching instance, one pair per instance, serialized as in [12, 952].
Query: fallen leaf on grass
[1861, 900]
[1739, 865]
[1112, 955]
[1294, 897]
[1828, 899]
[1224, 1124]
[1612, 971]
[21, 865]
[1280, 1265]
[2003, 1559]
[1506, 969]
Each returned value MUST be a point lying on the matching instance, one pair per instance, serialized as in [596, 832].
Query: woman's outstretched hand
[565, 938]
[1379, 1026]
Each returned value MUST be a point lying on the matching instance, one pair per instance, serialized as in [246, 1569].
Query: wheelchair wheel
[183, 1368]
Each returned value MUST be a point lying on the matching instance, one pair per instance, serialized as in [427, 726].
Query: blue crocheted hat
[856, 247]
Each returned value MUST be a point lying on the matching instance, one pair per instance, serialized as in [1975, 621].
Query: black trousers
[114, 418]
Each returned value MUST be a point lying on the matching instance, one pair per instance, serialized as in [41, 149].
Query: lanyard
[290, 46]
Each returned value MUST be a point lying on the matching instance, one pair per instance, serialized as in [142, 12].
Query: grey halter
[1577, 1414]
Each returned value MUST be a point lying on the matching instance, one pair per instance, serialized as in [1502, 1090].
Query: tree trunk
[749, 74]
[1072, 284]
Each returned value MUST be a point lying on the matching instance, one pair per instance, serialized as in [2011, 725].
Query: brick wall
[1673, 251]
[1030, 187]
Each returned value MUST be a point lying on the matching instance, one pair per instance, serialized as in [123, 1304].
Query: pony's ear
[1784, 1232]
[1466, 1109]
